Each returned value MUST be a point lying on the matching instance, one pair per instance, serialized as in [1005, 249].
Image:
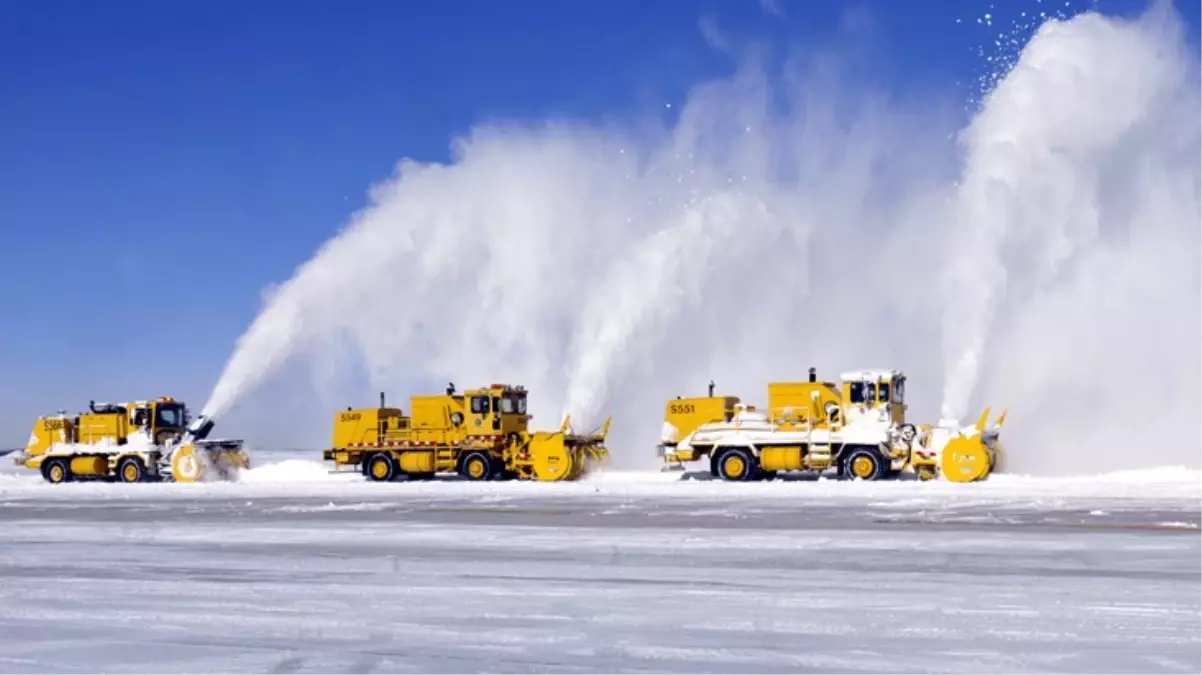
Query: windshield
[867, 392]
[863, 392]
[513, 404]
[169, 416]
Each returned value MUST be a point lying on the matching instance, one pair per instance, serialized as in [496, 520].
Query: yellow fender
[973, 456]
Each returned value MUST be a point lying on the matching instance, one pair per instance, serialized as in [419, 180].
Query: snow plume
[610, 269]
[1073, 269]
[784, 220]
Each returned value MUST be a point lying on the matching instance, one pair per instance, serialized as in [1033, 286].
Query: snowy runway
[626, 573]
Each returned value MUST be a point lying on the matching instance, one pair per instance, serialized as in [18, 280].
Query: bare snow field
[295, 570]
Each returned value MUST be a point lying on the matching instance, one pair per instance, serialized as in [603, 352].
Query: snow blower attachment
[965, 454]
[559, 455]
[856, 426]
[198, 459]
[480, 434]
[131, 443]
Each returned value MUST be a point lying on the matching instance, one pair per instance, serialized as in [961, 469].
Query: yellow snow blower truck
[856, 426]
[142, 441]
[480, 434]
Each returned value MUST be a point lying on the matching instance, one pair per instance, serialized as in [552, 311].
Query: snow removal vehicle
[480, 434]
[856, 426]
[135, 442]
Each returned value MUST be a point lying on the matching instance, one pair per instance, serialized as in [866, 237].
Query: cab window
[899, 391]
[169, 416]
[513, 404]
[884, 393]
[863, 392]
[479, 405]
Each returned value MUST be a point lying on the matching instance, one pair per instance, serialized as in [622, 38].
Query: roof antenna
[711, 388]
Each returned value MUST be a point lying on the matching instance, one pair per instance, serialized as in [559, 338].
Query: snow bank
[294, 471]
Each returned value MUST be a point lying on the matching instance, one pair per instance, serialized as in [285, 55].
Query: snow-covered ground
[294, 570]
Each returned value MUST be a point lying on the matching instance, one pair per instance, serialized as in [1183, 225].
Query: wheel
[187, 465]
[736, 464]
[131, 470]
[380, 468]
[476, 466]
[57, 471]
[865, 464]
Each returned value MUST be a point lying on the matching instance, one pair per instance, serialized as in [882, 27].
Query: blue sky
[164, 162]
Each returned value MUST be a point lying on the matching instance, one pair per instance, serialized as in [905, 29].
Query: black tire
[380, 468]
[57, 471]
[131, 470]
[865, 463]
[477, 466]
[497, 467]
[736, 464]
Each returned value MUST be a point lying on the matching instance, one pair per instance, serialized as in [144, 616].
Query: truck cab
[497, 410]
[881, 393]
[163, 419]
